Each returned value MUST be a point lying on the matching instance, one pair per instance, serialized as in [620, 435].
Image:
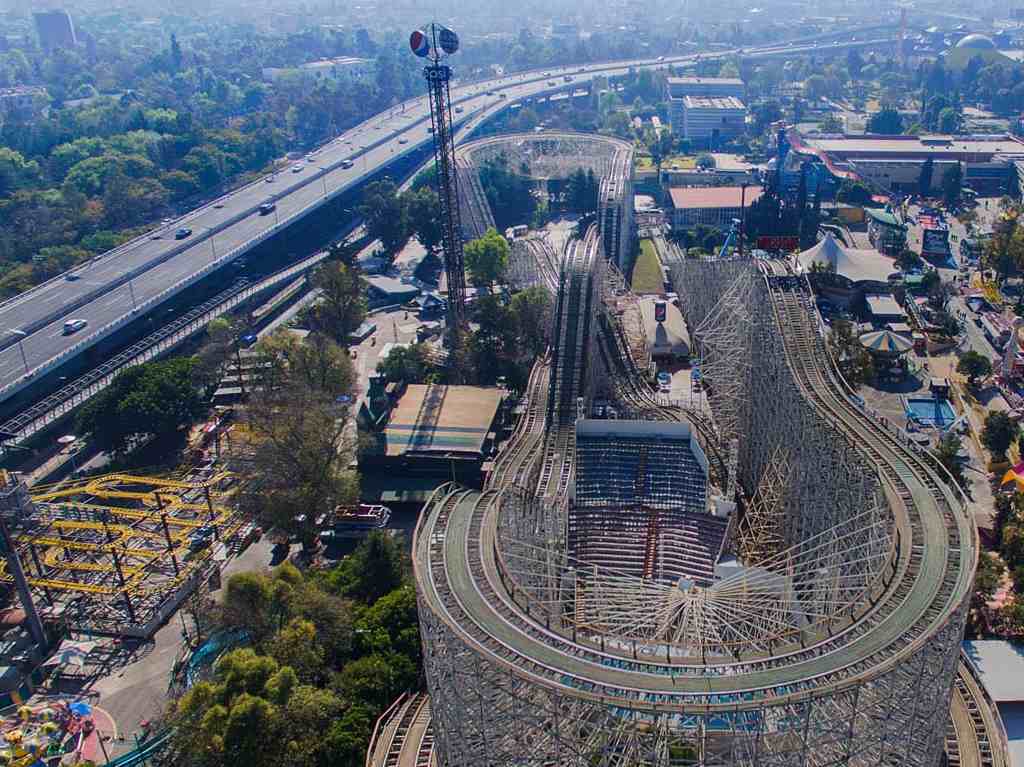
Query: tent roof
[886, 341]
[854, 264]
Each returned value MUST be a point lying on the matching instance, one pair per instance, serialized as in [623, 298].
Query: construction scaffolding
[117, 553]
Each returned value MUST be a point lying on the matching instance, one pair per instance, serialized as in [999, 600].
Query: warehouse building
[715, 206]
[894, 163]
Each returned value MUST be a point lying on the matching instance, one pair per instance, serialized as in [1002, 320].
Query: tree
[376, 567]
[854, 360]
[532, 311]
[974, 365]
[156, 399]
[385, 214]
[924, 179]
[295, 646]
[1005, 249]
[987, 578]
[301, 451]
[16, 172]
[949, 121]
[424, 217]
[815, 87]
[509, 194]
[952, 183]
[886, 122]
[487, 258]
[705, 161]
[409, 364]
[948, 454]
[341, 307]
[1005, 512]
[998, 433]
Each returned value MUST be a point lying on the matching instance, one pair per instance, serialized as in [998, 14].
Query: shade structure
[886, 342]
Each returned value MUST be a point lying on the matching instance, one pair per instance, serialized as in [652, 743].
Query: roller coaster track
[569, 362]
[515, 462]
[463, 584]
[976, 736]
[476, 212]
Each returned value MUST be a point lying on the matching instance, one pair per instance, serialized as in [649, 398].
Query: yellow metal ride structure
[117, 553]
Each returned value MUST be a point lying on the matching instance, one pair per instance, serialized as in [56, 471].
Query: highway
[113, 288]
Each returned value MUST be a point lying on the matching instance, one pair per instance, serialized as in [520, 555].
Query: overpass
[113, 289]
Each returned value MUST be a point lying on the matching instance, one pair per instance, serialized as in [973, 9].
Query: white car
[297, 168]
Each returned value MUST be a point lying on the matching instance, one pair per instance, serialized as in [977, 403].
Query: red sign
[772, 242]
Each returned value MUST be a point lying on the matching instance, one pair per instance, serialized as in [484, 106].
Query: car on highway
[403, 140]
[73, 326]
[270, 179]
[297, 168]
[182, 233]
[72, 277]
[346, 164]
[267, 206]
[458, 110]
[552, 82]
[247, 340]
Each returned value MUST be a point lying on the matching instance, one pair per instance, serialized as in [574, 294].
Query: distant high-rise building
[55, 29]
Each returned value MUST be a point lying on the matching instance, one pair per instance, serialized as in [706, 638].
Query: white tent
[855, 264]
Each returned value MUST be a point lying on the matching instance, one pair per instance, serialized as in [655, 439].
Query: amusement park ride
[114, 554]
[436, 43]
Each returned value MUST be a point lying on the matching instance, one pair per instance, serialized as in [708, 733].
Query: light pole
[131, 291]
[213, 246]
[20, 334]
[323, 178]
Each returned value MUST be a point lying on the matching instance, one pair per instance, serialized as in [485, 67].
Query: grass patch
[647, 275]
[646, 162]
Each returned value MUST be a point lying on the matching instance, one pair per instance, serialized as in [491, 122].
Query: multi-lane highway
[112, 289]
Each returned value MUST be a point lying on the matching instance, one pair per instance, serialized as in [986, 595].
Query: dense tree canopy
[341, 307]
[154, 399]
[326, 655]
[487, 258]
